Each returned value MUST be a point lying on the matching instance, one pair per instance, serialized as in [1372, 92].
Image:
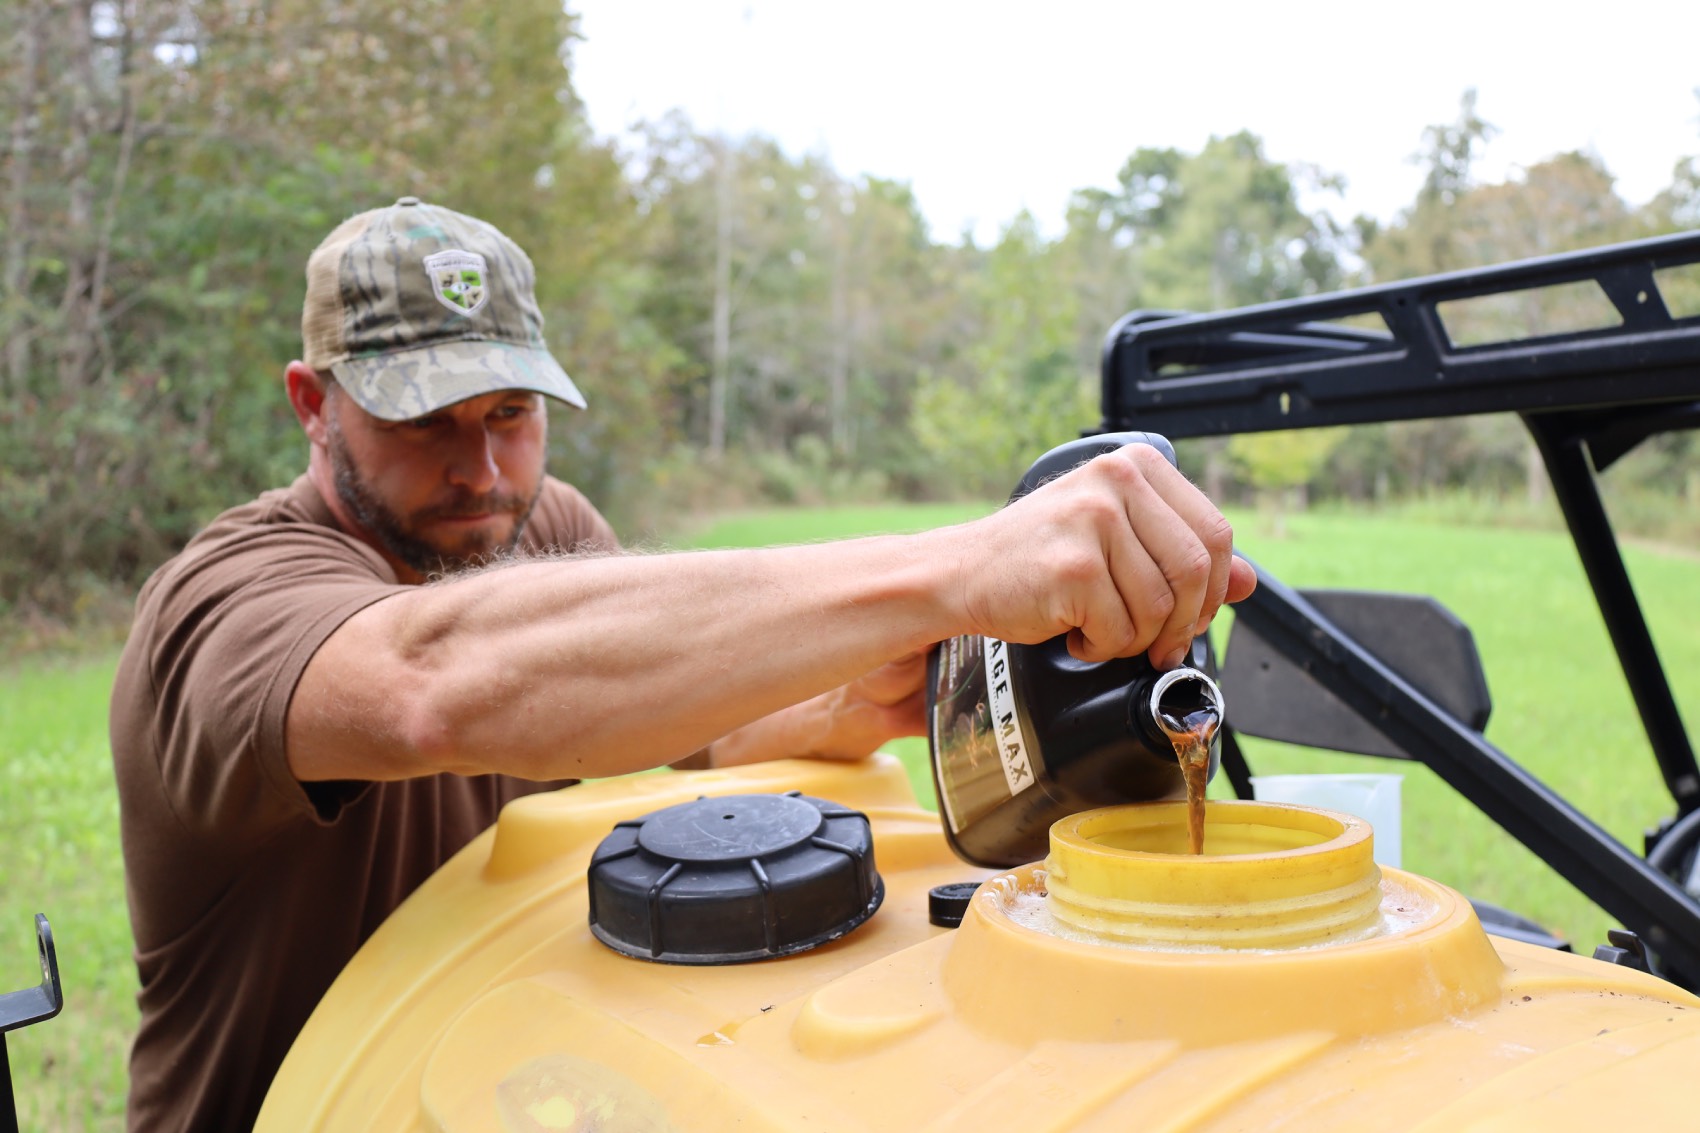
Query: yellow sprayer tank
[1280, 982]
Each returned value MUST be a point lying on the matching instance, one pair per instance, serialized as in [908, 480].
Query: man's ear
[307, 397]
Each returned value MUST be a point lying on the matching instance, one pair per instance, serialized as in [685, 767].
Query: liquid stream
[1191, 736]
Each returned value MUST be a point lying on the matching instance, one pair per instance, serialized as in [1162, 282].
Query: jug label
[982, 750]
[1011, 740]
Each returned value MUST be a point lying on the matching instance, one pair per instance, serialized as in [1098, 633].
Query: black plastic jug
[1024, 735]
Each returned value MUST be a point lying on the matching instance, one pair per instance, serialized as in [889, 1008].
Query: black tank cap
[948, 904]
[735, 878]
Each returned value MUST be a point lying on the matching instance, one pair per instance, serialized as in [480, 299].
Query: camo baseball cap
[414, 307]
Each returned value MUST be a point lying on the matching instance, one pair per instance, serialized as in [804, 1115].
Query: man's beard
[398, 535]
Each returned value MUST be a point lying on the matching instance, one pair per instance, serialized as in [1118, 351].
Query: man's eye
[422, 422]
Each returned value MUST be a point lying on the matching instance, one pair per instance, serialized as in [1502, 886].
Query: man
[303, 730]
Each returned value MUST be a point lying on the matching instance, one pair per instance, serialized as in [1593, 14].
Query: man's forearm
[587, 668]
[593, 667]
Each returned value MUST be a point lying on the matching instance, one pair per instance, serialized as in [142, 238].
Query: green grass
[1561, 710]
[59, 827]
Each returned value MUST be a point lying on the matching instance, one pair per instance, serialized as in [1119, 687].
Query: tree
[799, 301]
[1280, 464]
[1016, 391]
[1220, 228]
[1565, 203]
[1217, 229]
[1422, 241]
[169, 167]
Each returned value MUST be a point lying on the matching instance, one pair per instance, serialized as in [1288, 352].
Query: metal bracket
[1625, 950]
[21, 1008]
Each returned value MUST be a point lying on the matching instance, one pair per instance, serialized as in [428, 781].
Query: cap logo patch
[457, 280]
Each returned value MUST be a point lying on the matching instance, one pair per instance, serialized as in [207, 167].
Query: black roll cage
[1587, 396]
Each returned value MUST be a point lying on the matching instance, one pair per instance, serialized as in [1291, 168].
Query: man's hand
[883, 705]
[849, 722]
[1123, 554]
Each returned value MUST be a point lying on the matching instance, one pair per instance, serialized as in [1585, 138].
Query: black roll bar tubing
[1598, 865]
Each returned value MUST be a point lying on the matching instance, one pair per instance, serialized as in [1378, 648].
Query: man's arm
[594, 667]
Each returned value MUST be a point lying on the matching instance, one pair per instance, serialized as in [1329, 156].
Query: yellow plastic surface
[484, 1003]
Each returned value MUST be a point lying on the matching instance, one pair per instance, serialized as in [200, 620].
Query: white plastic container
[1373, 798]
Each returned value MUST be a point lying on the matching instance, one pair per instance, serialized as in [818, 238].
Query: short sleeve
[232, 627]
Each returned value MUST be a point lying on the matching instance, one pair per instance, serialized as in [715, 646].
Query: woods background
[729, 308]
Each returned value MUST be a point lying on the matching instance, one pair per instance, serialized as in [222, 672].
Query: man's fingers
[1214, 535]
[1164, 512]
[1125, 555]
[857, 727]
[1242, 580]
[1108, 623]
[1231, 578]
[894, 680]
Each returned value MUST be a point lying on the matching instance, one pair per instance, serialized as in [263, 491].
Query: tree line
[749, 324]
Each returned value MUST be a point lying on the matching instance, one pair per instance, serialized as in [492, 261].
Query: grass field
[1561, 710]
[59, 826]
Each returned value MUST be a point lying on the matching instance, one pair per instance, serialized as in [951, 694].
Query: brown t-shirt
[249, 891]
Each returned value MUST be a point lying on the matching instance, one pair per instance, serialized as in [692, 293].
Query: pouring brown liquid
[1191, 736]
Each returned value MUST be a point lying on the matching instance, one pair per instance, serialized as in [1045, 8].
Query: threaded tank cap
[735, 878]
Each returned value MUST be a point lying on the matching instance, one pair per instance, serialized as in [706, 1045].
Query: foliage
[1284, 459]
[797, 300]
[1280, 464]
[748, 324]
[1014, 389]
[1220, 228]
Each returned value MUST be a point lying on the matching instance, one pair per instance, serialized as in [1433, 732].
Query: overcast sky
[988, 107]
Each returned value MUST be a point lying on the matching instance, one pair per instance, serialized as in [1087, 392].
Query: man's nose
[472, 464]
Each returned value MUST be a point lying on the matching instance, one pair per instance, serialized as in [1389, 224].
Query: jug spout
[1181, 707]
